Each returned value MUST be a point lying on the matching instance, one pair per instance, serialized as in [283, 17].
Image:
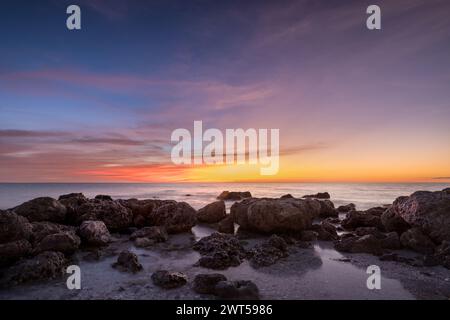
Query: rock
[72, 201]
[176, 217]
[94, 233]
[142, 209]
[355, 219]
[362, 231]
[226, 225]
[169, 280]
[320, 195]
[42, 209]
[10, 252]
[364, 244]
[155, 234]
[376, 211]
[65, 242]
[393, 222]
[309, 235]
[71, 196]
[115, 216]
[325, 231]
[442, 253]
[46, 265]
[347, 208]
[234, 195]
[391, 241]
[415, 240]
[13, 227]
[426, 210]
[269, 252]
[219, 251]
[103, 197]
[206, 283]
[212, 213]
[127, 262]
[327, 209]
[276, 215]
[239, 290]
[42, 229]
[144, 242]
[287, 196]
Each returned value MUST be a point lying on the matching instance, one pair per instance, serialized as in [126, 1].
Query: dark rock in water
[212, 213]
[142, 209]
[156, 234]
[287, 196]
[347, 208]
[94, 233]
[269, 252]
[376, 211]
[72, 201]
[13, 227]
[391, 241]
[355, 219]
[276, 215]
[320, 195]
[72, 196]
[415, 240]
[176, 217]
[239, 290]
[219, 251]
[169, 280]
[115, 216]
[103, 197]
[206, 283]
[42, 209]
[46, 265]
[127, 262]
[234, 195]
[395, 257]
[144, 242]
[327, 209]
[65, 242]
[364, 244]
[226, 225]
[12, 251]
[426, 210]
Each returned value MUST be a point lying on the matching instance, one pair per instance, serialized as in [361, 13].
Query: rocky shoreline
[41, 237]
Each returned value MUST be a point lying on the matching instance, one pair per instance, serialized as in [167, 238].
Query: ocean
[363, 195]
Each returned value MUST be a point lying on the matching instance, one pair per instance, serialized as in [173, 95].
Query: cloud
[12, 133]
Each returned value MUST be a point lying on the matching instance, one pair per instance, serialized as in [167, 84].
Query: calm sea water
[363, 195]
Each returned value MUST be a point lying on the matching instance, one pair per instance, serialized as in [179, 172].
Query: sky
[99, 104]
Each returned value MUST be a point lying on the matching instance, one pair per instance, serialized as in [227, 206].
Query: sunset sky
[99, 104]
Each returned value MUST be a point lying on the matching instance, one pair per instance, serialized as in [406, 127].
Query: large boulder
[176, 217]
[212, 213]
[115, 216]
[327, 209]
[142, 209]
[347, 208]
[42, 209]
[234, 195]
[40, 230]
[72, 201]
[219, 251]
[94, 233]
[393, 222]
[226, 225]
[46, 265]
[276, 215]
[65, 242]
[429, 211]
[415, 240]
[13, 227]
[12, 251]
